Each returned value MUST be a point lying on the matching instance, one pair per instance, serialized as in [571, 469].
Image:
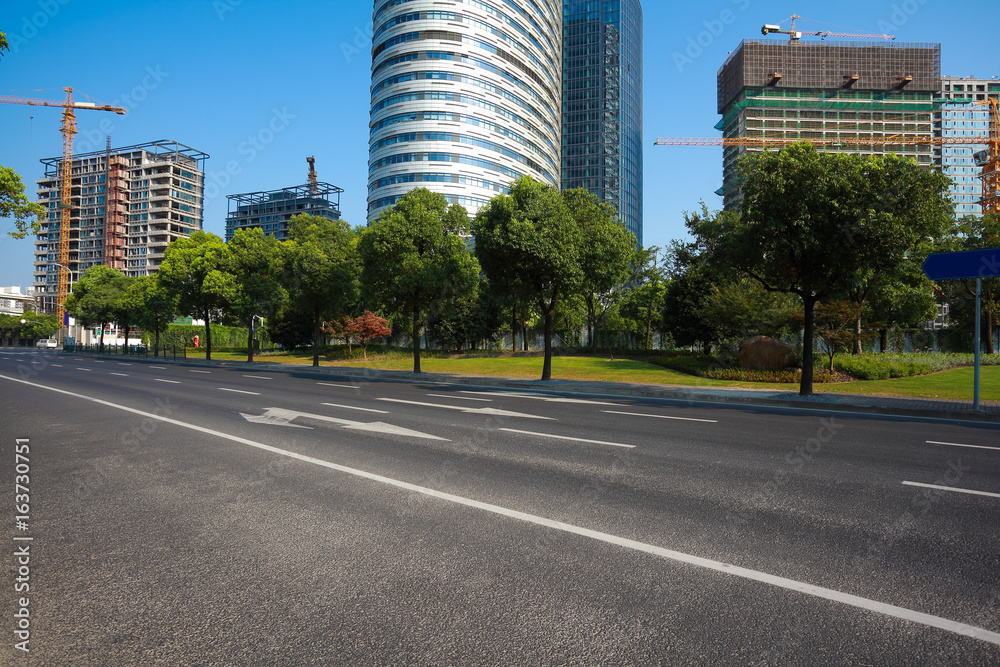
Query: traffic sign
[963, 264]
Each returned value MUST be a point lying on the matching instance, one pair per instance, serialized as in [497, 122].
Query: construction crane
[988, 159]
[795, 35]
[66, 177]
[313, 184]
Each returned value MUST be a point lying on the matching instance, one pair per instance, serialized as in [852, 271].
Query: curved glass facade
[465, 98]
[602, 103]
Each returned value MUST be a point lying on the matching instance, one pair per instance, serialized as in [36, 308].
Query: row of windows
[459, 57]
[456, 118]
[461, 138]
[461, 200]
[438, 178]
[403, 158]
[432, 75]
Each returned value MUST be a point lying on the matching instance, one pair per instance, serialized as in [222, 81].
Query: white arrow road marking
[282, 417]
[463, 408]
[540, 397]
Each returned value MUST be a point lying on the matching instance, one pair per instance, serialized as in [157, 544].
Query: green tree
[528, 243]
[320, 269]
[607, 256]
[194, 272]
[977, 233]
[255, 264]
[14, 203]
[813, 224]
[95, 297]
[415, 261]
[157, 309]
[36, 326]
[127, 305]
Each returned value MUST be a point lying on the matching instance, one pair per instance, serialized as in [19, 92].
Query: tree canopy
[96, 295]
[813, 224]
[415, 260]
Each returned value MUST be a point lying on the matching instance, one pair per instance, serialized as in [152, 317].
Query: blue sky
[261, 85]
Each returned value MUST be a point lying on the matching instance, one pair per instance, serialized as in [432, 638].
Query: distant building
[14, 302]
[602, 103]
[465, 98]
[959, 118]
[828, 90]
[271, 210]
[126, 205]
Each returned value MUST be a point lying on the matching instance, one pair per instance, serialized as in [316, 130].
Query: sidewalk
[883, 405]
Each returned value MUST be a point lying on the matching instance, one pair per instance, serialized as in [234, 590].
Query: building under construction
[126, 205]
[827, 90]
[272, 210]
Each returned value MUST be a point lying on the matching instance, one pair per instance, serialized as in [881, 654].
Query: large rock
[767, 353]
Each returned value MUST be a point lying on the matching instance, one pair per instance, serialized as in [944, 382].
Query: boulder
[767, 353]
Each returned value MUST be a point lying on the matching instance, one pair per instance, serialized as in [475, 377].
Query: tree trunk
[989, 333]
[316, 332]
[883, 339]
[208, 337]
[524, 337]
[857, 335]
[547, 363]
[156, 339]
[101, 342]
[806, 387]
[513, 328]
[250, 341]
[416, 341]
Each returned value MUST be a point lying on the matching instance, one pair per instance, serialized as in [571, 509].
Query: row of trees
[839, 238]
[34, 327]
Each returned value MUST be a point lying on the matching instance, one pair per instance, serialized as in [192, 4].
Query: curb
[596, 388]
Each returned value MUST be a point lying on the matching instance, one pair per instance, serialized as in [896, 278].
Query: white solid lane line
[957, 444]
[466, 409]
[121, 374]
[952, 488]
[170, 381]
[540, 397]
[194, 371]
[566, 437]
[903, 613]
[351, 407]
[258, 377]
[462, 398]
[642, 414]
[345, 386]
[240, 391]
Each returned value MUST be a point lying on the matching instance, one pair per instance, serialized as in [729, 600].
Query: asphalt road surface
[190, 515]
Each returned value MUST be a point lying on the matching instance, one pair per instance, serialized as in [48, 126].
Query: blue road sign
[963, 264]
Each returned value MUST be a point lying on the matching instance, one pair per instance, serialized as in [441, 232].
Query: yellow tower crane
[65, 176]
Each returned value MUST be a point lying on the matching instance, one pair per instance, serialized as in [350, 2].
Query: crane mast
[65, 176]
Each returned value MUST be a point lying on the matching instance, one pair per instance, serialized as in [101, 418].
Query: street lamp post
[71, 281]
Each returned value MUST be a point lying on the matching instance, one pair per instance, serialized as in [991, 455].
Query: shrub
[761, 375]
[690, 363]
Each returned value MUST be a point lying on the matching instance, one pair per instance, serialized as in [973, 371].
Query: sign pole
[976, 342]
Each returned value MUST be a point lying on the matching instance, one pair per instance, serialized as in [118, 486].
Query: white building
[14, 302]
[959, 118]
[465, 98]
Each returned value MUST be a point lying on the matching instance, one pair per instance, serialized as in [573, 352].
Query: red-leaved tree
[369, 327]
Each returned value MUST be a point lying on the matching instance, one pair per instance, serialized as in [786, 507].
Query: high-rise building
[126, 205]
[602, 103]
[828, 90]
[960, 118]
[271, 210]
[465, 98]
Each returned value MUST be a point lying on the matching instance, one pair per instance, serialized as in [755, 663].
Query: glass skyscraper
[602, 103]
[465, 98]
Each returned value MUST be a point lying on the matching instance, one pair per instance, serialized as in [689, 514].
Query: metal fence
[171, 352]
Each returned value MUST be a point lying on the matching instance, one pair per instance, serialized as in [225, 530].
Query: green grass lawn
[951, 384]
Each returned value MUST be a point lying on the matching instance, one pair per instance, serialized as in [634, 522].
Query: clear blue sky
[213, 74]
